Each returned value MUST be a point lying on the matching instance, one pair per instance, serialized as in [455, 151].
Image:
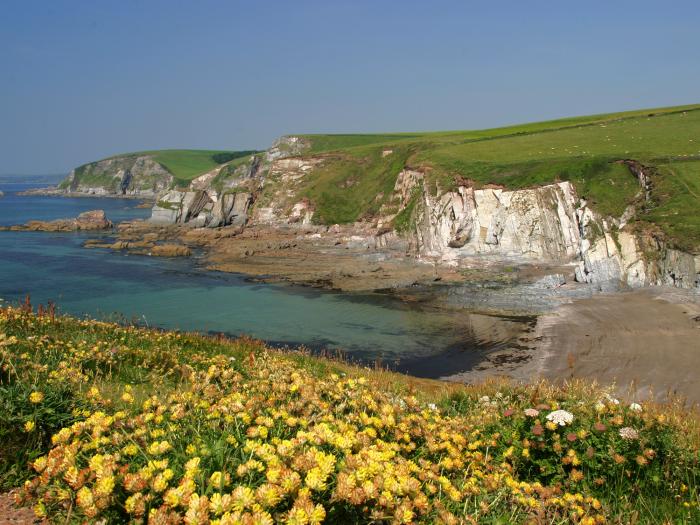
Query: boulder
[93, 220]
[168, 208]
[86, 221]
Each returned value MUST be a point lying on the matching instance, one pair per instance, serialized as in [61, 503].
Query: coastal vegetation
[183, 164]
[583, 150]
[187, 164]
[119, 423]
[354, 174]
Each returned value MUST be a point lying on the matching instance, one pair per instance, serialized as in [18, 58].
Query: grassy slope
[267, 419]
[184, 164]
[580, 149]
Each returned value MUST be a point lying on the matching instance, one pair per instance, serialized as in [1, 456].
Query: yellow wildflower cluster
[303, 448]
[172, 433]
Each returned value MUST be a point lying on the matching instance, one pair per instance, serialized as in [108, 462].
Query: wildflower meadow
[119, 424]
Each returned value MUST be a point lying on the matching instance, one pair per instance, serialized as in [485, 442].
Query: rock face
[202, 208]
[137, 175]
[87, 221]
[170, 250]
[526, 224]
[548, 224]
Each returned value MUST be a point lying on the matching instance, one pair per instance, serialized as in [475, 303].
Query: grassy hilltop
[359, 171]
[183, 164]
[582, 150]
[105, 422]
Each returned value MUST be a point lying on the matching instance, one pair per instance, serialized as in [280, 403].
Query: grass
[348, 187]
[120, 423]
[583, 150]
[676, 203]
[184, 164]
[188, 164]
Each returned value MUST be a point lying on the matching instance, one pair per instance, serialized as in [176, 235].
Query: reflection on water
[174, 293]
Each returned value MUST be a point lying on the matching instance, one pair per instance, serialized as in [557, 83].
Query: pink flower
[532, 412]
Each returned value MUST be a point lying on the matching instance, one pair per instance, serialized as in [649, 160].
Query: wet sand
[645, 342]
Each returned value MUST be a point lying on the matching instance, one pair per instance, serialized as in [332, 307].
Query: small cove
[178, 294]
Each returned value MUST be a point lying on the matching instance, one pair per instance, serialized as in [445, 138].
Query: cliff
[596, 210]
[146, 174]
[615, 196]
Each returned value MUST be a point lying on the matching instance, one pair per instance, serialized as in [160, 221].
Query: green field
[582, 150]
[188, 164]
[184, 164]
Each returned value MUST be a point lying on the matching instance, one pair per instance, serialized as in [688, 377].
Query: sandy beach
[645, 342]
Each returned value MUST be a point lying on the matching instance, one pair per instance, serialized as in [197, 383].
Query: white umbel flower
[560, 417]
[635, 407]
[629, 433]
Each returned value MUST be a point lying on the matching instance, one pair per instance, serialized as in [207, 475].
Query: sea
[180, 294]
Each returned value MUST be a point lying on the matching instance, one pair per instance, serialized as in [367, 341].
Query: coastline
[644, 344]
[54, 191]
[640, 340]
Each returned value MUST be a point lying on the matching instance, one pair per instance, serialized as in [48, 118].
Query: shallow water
[176, 293]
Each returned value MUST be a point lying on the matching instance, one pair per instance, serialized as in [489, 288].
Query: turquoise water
[176, 293]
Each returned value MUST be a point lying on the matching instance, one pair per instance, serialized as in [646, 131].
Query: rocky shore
[55, 191]
[94, 220]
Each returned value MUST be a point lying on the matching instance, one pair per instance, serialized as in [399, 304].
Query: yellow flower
[131, 449]
[36, 397]
[127, 397]
[29, 426]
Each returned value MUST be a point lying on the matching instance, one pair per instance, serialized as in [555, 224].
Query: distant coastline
[50, 179]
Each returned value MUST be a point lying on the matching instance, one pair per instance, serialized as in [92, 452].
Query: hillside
[121, 423]
[151, 171]
[582, 150]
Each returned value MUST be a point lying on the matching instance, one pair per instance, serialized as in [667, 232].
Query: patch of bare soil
[11, 514]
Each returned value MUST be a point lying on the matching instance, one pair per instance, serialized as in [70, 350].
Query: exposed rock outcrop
[549, 224]
[170, 250]
[136, 175]
[87, 221]
[202, 208]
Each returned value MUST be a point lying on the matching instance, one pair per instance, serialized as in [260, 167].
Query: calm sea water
[178, 294]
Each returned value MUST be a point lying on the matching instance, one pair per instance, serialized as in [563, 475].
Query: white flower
[612, 400]
[560, 417]
[432, 406]
[599, 407]
[636, 407]
[484, 399]
[532, 412]
[629, 433]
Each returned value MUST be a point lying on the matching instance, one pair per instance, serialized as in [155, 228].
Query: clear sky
[81, 80]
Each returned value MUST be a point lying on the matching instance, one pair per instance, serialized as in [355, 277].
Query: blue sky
[82, 80]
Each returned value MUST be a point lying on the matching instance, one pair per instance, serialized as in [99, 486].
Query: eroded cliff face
[549, 224]
[526, 224]
[133, 175]
[202, 208]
